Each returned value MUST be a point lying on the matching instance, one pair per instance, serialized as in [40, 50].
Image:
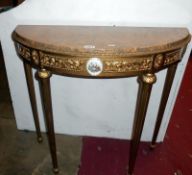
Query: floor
[22, 155]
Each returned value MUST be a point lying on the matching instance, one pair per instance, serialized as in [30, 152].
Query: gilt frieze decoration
[108, 64]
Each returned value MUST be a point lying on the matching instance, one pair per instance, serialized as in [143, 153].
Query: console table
[100, 52]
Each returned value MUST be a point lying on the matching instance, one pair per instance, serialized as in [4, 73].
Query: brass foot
[40, 139]
[56, 170]
[152, 146]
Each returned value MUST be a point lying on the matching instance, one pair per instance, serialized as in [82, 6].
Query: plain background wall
[103, 108]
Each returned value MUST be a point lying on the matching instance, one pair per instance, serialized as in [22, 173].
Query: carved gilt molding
[125, 65]
[68, 64]
[172, 57]
[113, 64]
[24, 52]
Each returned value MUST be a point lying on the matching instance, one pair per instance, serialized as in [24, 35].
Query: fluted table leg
[166, 91]
[146, 81]
[31, 90]
[44, 77]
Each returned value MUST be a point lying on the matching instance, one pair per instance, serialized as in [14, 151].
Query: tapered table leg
[166, 91]
[142, 103]
[31, 90]
[44, 77]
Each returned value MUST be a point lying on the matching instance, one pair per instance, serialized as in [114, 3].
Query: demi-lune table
[100, 52]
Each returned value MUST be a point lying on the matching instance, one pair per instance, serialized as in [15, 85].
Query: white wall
[102, 108]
